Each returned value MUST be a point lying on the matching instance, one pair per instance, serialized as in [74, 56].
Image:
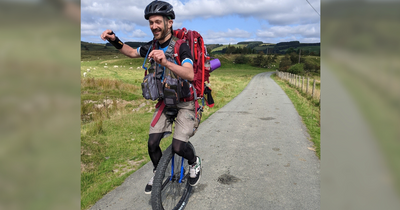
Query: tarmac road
[254, 154]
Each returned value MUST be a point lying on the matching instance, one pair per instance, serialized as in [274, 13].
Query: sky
[218, 21]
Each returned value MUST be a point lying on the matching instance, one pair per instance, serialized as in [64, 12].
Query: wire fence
[302, 84]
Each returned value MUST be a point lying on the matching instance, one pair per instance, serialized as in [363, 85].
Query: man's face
[157, 26]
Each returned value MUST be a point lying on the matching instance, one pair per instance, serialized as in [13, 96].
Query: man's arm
[126, 49]
[129, 51]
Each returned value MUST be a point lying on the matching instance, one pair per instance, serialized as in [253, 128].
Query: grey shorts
[184, 122]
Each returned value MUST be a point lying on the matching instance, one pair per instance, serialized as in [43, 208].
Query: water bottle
[207, 64]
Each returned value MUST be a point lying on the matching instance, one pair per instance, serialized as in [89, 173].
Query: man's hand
[108, 35]
[159, 57]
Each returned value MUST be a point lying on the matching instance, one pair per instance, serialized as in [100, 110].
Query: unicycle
[171, 188]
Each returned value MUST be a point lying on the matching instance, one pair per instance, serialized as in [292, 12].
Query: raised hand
[108, 35]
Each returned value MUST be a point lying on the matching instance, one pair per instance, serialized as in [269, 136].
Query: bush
[284, 65]
[296, 69]
[259, 61]
[241, 59]
[311, 66]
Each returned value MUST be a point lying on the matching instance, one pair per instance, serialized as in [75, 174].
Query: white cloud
[138, 34]
[305, 31]
[236, 33]
[225, 37]
[285, 18]
[275, 12]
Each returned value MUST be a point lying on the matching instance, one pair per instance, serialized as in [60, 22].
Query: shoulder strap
[171, 46]
[176, 50]
[169, 54]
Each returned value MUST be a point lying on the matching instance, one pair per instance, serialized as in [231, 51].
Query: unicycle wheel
[171, 189]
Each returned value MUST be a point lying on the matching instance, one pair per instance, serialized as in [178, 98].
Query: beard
[157, 33]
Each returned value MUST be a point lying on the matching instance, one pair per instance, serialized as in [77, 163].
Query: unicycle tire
[167, 193]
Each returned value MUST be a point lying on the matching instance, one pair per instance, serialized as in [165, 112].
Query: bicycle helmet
[159, 8]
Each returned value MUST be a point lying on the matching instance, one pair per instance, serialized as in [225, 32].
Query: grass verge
[308, 109]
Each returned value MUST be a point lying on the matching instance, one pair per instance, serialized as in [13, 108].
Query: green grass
[113, 136]
[308, 109]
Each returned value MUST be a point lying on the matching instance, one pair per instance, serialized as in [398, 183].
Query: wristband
[116, 43]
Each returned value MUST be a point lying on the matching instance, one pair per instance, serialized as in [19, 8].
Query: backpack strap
[207, 94]
[171, 49]
[176, 50]
[161, 106]
[169, 54]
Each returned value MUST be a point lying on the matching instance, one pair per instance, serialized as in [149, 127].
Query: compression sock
[154, 149]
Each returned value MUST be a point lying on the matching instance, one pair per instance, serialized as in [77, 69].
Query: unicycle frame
[171, 191]
[172, 169]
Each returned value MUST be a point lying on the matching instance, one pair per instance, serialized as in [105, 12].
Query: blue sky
[218, 21]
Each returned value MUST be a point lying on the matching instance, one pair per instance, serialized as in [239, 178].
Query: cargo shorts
[184, 122]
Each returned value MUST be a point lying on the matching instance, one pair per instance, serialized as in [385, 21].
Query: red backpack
[201, 68]
[201, 62]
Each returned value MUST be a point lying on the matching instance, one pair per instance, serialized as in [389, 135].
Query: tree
[274, 58]
[209, 49]
[285, 63]
[311, 66]
[241, 59]
[230, 49]
[294, 58]
[269, 58]
[290, 50]
[259, 61]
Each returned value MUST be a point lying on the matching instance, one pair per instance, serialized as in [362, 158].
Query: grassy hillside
[220, 48]
[91, 51]
[269, 48]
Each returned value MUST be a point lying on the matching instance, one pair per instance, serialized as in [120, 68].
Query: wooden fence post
[312, 95]
[298, 82]
[294, 80]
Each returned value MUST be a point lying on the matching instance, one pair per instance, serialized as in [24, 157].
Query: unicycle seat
[171, 113]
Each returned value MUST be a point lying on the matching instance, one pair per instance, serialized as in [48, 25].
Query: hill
[268, 48]
[252, 47]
